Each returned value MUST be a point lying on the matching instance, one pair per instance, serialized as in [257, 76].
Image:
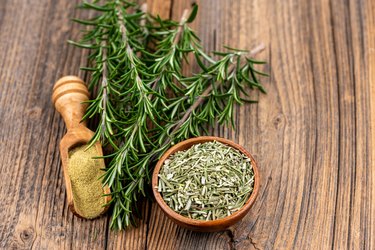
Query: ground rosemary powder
[84, 172]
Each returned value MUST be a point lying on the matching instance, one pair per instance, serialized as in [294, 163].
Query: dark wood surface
[312, 134]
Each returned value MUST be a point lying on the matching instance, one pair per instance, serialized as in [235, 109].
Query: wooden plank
[370, 55]
[34, 55]
[159, 7]
[307, 118]
[324, 135]
[134, 237]
[163, 233]
[369, 28]
[290, 130]
[353, 198]
[137, 238]
[312, 134]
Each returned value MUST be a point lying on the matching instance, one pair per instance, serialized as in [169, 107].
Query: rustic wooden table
[311, 133]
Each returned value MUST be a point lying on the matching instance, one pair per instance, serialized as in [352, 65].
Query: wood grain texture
[313, 134]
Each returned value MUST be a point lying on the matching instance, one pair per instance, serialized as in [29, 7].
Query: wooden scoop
[68, 94]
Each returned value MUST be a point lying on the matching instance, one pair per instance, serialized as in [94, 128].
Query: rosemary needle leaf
[193, 13]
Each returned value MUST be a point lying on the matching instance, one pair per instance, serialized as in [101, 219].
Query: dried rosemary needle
[207, 181]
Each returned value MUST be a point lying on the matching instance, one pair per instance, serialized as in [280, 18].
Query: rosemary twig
[208, 90]
[201, 98]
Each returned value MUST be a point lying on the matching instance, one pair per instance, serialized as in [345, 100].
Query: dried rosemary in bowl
[207, 181]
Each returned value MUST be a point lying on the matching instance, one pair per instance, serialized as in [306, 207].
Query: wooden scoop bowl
[68, 96]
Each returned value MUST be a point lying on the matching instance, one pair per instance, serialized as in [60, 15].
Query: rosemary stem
[129, 50]
[144, 10]
[259, 48]
[183, 19]
[104, 87]
[142, 23]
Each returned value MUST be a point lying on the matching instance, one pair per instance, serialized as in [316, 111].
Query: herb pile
[144, 101]
[84, 173]
[207, 181]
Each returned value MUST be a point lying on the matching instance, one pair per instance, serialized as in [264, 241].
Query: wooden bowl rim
[229, 220]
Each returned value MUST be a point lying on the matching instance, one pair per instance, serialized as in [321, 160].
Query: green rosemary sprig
[144, 102]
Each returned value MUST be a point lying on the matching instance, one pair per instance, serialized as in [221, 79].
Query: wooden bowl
[199, 225]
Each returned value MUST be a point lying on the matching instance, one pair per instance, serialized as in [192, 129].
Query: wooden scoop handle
[68, 94]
